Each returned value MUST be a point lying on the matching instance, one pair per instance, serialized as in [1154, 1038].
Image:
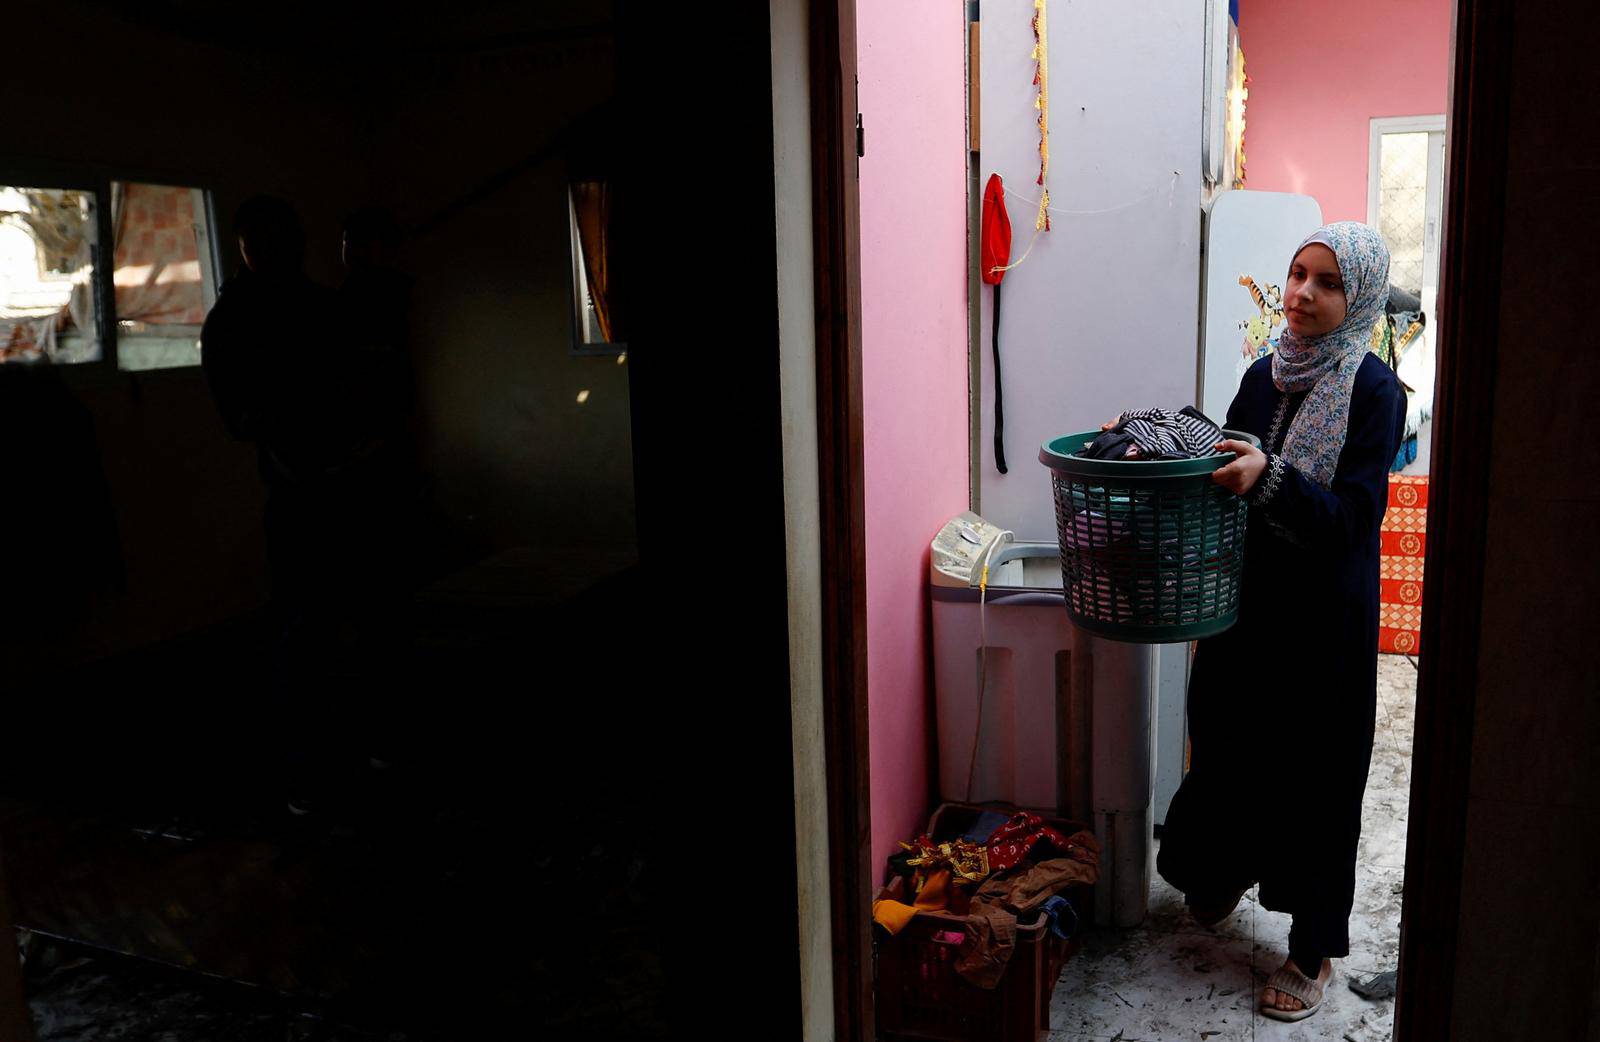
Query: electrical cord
[983, 651]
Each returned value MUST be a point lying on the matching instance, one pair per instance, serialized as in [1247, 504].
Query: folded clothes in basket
[1157, 434]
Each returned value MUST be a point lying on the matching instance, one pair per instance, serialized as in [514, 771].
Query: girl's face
[1313, 302]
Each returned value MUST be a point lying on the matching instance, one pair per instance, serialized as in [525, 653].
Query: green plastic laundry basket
[1151, 550]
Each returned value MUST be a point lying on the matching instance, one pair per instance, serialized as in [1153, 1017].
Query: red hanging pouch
[995, 250]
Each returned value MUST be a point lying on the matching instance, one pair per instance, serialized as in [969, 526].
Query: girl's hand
[1110, 424]
[1241, 475]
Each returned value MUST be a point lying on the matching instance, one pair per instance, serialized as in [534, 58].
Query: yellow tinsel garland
[1041, 55]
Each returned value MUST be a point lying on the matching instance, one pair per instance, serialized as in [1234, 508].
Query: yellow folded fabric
[895, 915]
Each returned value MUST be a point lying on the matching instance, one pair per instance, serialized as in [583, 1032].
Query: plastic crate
[921, 996]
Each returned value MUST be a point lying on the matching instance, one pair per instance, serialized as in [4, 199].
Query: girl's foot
[1282, 1001]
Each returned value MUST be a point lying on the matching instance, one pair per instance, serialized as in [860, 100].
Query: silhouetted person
[282, 378]
[272, 355]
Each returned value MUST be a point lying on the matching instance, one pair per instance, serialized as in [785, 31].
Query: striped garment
[1160, 434]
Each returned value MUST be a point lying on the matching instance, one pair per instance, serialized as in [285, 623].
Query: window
[52, 292]
[596, 317]
[163, 271]
[1405, 194]
[49, 310]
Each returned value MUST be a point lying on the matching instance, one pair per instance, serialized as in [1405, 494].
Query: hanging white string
[1031, 240]
[1172, 187]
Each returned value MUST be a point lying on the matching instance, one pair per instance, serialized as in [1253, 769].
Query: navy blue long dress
[1282, 706]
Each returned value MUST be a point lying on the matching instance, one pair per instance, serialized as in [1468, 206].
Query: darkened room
[508, 530]
[336, 703]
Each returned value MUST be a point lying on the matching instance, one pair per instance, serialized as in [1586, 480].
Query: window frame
[580, 347]
[1376, 128]
[1433, 202]
[97, 178]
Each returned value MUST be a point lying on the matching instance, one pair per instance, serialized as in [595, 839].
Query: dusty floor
[1169, 979]
[98, 999]
[1172, 979]
[606, 981]
[603, 980]
[470, 886]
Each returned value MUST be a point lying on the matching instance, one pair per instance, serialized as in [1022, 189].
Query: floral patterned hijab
[1326, 365]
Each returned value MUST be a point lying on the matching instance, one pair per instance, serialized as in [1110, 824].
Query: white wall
[1103, 316]
[517, 459]
[797, 352]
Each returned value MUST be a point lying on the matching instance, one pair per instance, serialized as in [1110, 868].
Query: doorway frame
[1476, 159]
[836, 244]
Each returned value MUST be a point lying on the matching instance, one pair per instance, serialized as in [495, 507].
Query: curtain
[591, 200]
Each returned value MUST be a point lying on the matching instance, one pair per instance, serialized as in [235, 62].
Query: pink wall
[1318, 75]
[912, 56]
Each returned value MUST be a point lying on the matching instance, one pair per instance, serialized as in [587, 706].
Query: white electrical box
[958, 549]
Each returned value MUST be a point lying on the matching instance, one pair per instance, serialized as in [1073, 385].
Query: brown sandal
[1289, 981]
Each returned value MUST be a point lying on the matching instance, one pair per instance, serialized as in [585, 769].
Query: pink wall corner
[1318, 76]
[912, 76]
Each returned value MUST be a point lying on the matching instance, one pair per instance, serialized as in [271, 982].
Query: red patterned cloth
[1014, 840]
[1403, 540]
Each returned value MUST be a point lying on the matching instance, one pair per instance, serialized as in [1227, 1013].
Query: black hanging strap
[999, 401]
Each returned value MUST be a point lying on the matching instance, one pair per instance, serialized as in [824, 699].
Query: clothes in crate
[1141, 557]
[1157, 434]
[1126, 527]
[985, 887]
